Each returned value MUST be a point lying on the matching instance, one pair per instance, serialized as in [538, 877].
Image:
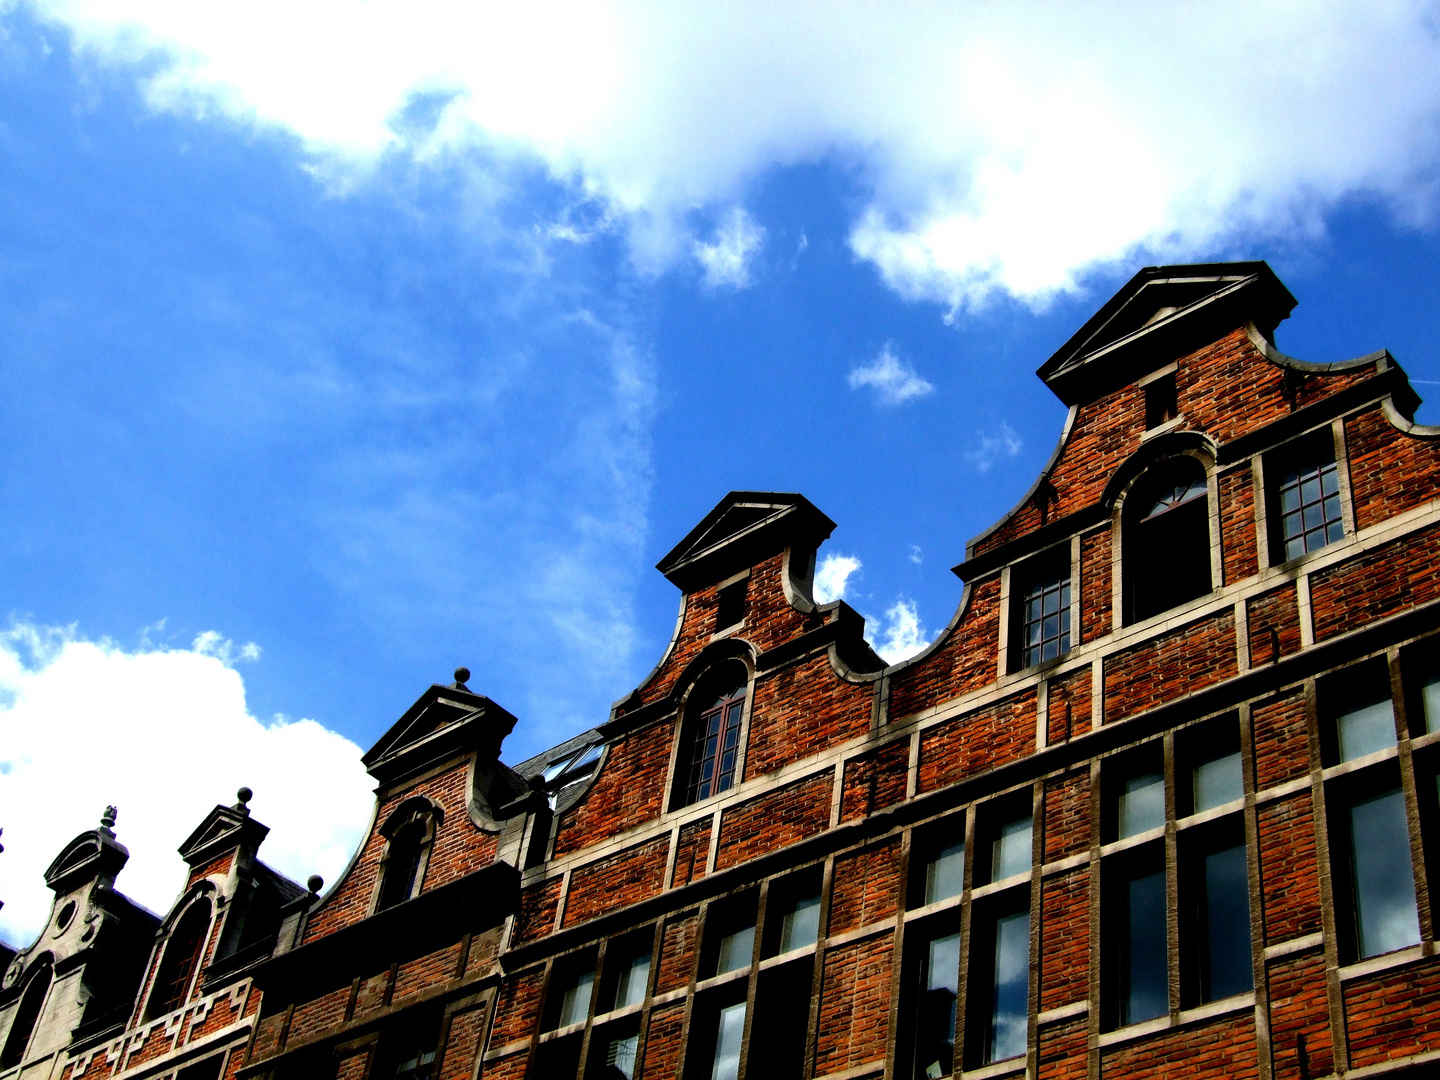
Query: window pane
[1217, 782]
[735, 950]
[945, 873]
[727, 1043]
[1012, 850]
[1430, 696]
[620, 1056]
[935, 1022]
[1012, 984]
[1385, 916]
[575, 1005]
[801, 924]
[1366, 729]
[1142, 804]
[631, 981]
[1145, 994]
[1227, 925]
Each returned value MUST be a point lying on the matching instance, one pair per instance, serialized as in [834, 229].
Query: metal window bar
[717, 740]
[1310, 509]
[1046, 629]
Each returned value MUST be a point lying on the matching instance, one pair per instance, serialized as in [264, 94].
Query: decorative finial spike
[107, 819]
[315, 884]
[462, 676]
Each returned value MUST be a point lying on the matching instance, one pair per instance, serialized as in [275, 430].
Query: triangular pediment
[443, 721]
[1159, 315]
[224, 828]
[743, 528]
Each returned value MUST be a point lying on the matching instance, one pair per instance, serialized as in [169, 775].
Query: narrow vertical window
[613, 1055]
[1000, 981]
[795, 907]
[1040, 609]
[1011, 849]
[27, 1013]
[945, 873]
[1217, 881]
[1382, 876]
[1208, 766]
[729, 935]
[569, 999]
[1216, 780]
[402, 864]
[177, 965]
[934, 1050]
[730, 604]
[729, 1039]
[1137, 910]
[1166, 545]
[1430, 703]
[1365, 727]
[735, 950]
[1160, 400]
[1134, 789]
[1306, 500]
[627, 968]
[715, 744]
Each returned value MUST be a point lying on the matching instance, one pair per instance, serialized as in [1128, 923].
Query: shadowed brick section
[1274, 619]
[801, 711]
[866, 888]
[629, 791]
[854, 1005]
[677, 953]
[217, 868]
[1170, 666]
[1096, 600]
[372, 993]
[1220, 1050]
[1068, 705]
[1237, 525]
[516, 1008]
[980, 740]
[1062, 1051]
[1289, 879]
[1064, 939]
[1298, 1007]
[964, 661]
[462, 1044]
[626, 878]
[792, 813]
[1393, 1014]
[1390, 472]
[511, 1067]
[1281, 743]
[662, 1043]
[354, 1066]
[459, 849]
[312, 1016]
[875, 780]
[692, 852]
[1389, 579]
[536, 916]
[1067, 814]
[417, 975]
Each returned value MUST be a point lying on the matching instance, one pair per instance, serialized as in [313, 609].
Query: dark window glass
[1160, 400]
[782, 1016]
[627, 973]
[716, 747]
[1215, 781]
[1308, 501]
[1430, 702]
[27, 1014]
[1141, 990]
[729, 1038]
[557, 1058]
[209, 1069]
[939, 983]
[402, 865]
[177, 965]
[1383, 879]
[1002, 968]
[729, 935]
[1045, 622]
[794, 918]
[569, 999]
[1365, 727]
[1134, 788]
[612, 1053]
[1167, 539]
[730, 604]
[1224, 924]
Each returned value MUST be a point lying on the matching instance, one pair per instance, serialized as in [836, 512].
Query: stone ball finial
[244, 795]
[107, 819]
[315, 883]
[462, 675]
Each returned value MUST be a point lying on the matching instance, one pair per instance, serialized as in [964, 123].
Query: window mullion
[966, 927]
[1172, 884]
[1412, 800]
[752, 981]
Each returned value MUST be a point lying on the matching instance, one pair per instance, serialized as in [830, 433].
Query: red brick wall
[1064, 939]
[1070, 691]
[218, 867]
[1067, 814]
[629, 791]
[662, 1043]
[981, 740]
[782, 817]
[1062, 1051]
[1290, 881]
[1220, 1050]
[415, 976]
[1277, 611]
[854, 1005]
[462, 1044]
[875, 780]
[1170, 666]
[692, 853]
[1096, 598]
[801, 711]
[1390, 472]
[1389, 579]
[536, 916]
[964, 661]
[1281, 742]
[677, 953]
[317, 1015]
[1298, 1007]
[1237, 525]
[866, 887]
[1393, 1014]
[516, 1008]
[626, 878]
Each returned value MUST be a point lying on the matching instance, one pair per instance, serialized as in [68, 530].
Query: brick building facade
[1162, 798]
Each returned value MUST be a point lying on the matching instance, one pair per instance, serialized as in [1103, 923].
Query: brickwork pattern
[1237, 525]
[692, 852]
[1298, 1009]
[1290, 882]
[1065, 939]
[979, 741]
[875, 780]
[1096, 597]
[962, 662]
[1390, 472]
[620, 880]
[1067, 814]
[782, 817]
[1274, 619]
[1401, 574]
[1393, 1014]
[803, 710]
[1170, 666]
[629, 791]
[1067, 708]
[854, 1005]
[867, 887]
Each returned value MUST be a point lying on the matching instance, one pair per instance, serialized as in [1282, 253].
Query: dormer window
[1040, 612]
[710, 750]
[183, 952]
[571, 769]
[1167, 538]
[730, 603]
[410, 831]
[1160, 400]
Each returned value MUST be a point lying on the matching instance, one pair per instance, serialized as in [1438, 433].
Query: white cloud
[164, 734]
[832, 576]
[893, 380]
[998, 147]
[1002, 442]
[726, 260]
[900, 635]
[916, 555]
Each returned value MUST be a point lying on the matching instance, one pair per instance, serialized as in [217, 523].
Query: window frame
[1125, 566]
[1268, 468]
[697, 700]
[197, 958]
[1061, 560]
[416, 811]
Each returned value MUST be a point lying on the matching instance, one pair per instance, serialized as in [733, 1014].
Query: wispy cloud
[1000, 442]
[59, 691]
[893, 380]
[900, 635]
[1004, 148]
[726, 260]
[916, 555]
[832, 576]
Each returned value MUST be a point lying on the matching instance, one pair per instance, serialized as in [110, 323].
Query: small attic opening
[1160, 401]
[731, 602]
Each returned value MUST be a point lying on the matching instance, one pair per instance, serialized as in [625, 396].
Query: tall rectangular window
[1000, 985]
[1306, 497]
[1011, 850]
[1217, 901]
[715, 748]
[1044, 612]
[939, 979]
[1382, 875]
[571, 1004]
[627, 973]
[1140, 969]
[945, 873]
[1134, 790]
[729, 1039]
[1358, 715]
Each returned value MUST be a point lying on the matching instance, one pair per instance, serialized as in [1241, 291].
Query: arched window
[28, 1014]
[181, 957]
[1167, 538]
[710, 756]
[403, 862]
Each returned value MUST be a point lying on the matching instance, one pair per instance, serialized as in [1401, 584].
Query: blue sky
[342, 347]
